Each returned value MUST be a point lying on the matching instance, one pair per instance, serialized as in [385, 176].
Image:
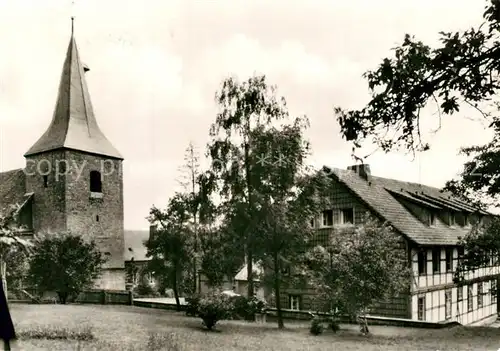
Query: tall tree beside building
[289, 195]
[244, 106]
[170, 247]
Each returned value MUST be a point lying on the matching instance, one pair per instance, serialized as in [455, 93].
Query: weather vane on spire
[72, 16]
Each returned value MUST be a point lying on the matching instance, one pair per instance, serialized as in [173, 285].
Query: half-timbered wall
[340, 199]
[434, 296]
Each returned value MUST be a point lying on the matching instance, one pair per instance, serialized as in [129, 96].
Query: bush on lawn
[316, 326]
[214, 307]
[246, 308]
[192, 303]
[144, 289]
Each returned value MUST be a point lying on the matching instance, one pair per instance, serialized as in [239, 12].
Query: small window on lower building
[460, 293]
[347, 216]
[421, 308]
[312, 223]
[470, 301]
[479, 294]
[447, 303]
[449, 259]
[294, 302]
[436, 260]
[45, 181]
[422, 262]
[493, 291]
[327, 218]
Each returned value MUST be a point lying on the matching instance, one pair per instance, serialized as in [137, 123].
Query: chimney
[362, 170]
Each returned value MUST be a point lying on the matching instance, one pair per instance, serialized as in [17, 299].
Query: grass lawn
[131, 328]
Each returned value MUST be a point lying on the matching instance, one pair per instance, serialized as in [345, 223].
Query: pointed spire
[74, 125]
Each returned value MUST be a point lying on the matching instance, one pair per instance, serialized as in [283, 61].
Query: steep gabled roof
[74, 125]
[134, 245]
[12, 188]
[380, 195]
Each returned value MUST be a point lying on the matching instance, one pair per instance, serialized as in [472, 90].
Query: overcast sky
[155, 67]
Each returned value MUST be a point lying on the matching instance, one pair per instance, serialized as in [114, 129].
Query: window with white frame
[346, 216]
[151, 278]
[422, 262]
[470, 301]
[312, 223]
[452, 219]
[479, 294]
[493, 291]
[449, 259]
[421, 308]
[294, 302]
[327, 218]
[432, 219]
[447, 303]
[460, 293]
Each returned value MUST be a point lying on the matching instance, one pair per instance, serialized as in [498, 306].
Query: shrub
[316, 326]
[246, 308]
[145, 289]
[192, 303]
[214, 307]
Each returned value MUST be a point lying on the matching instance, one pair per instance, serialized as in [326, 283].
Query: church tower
[75, 174]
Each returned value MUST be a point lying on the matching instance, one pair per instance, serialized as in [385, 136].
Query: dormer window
[432, 219]
[95, 182]
[452, 220]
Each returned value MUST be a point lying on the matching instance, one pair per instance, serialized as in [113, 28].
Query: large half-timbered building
[430, 223]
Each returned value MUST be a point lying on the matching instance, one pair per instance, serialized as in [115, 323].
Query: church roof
[74, 125]
[134, 245]
[12, 188]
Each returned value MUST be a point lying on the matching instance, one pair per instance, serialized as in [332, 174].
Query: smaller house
[135, 258]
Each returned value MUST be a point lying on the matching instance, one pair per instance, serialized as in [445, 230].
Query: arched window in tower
[95, 182]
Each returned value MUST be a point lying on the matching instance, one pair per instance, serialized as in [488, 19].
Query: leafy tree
[463, 69]
[10, 242]
[479, 246]
[222, 254]
[479, 182]
[170, 247]
[288, 198]
[359, 267]
[244, 106]
[64, 263]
